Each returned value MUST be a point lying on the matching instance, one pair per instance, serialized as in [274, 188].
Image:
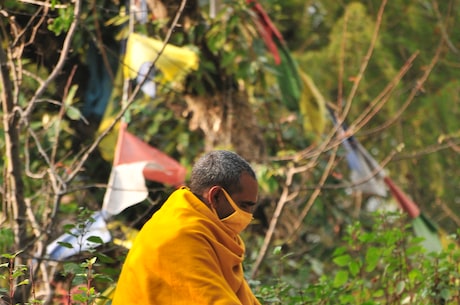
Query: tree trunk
[13, 190]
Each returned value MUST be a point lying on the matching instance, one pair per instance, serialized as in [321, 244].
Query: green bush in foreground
[386, 265]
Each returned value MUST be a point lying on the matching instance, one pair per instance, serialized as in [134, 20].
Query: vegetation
[378, 265]
[387, 68]
[381, 266]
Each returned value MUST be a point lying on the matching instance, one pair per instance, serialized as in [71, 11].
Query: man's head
[226, 170]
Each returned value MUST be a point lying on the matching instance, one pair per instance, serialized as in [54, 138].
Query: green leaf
[65, 244]
[10, 256]
[73, 113]
[95, 239]
[277, 250]
[340, 278]
[354, 268]
[445, 294]
[80, 298]
[372, 258]
[68, 208]
[70, 95]
[117, 20]
[414, 275]
[92, 260]
[400, 287]
[61, 23]
[105, 258]
[18, 273]
[339, 251]
[68, 227]
[342, 260]
[347, 299]
[24, 282]
[88, 262]
[103, 278]
[377, 294]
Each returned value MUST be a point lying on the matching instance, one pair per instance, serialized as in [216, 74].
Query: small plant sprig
[13, 277]
[82, 277]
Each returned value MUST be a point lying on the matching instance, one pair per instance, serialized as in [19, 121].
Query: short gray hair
[219, 167]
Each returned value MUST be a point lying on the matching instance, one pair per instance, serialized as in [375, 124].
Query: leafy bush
[386, 265]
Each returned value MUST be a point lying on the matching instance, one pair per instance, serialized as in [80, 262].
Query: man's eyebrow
[250, 203]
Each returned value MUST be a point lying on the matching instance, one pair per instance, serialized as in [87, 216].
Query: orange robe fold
[184, 255]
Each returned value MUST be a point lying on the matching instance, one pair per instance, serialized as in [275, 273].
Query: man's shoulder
[182, 224]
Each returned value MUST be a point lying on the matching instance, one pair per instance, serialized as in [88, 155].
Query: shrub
[384, 265]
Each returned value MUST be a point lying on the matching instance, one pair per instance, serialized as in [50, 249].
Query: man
[190, 251]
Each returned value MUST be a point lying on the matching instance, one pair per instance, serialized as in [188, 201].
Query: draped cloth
[184, 255]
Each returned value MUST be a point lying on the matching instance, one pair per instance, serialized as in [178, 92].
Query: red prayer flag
[134, 162]
[404, 201]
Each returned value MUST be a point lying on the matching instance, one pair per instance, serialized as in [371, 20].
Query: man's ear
[213, 194]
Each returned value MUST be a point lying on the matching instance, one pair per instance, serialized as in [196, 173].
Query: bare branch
[415, 90]
[364, 64]
[44, 4]
[442, 27]
[284, 198]
[377, 104]
[315, 193]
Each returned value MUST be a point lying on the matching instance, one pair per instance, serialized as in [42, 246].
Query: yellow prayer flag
[312, 105]
[174, 62]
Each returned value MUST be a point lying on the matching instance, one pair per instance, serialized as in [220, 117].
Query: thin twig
[284, 198]
[426, 151]
[341, 63]
[24, 30]
[449, 213]
[382, 98]
[442, 27]
[61, 114]
[44, 4]
[364, 64]
[314, 195]
[415, 90]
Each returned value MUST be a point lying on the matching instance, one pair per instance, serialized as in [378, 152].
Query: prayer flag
[286, 67]
[366, 174]
[142, 51]
[267, 30]
[312, 105]
[134, 162]
[434, 239]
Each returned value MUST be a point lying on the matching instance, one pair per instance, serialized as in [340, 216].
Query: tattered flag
[134, 162]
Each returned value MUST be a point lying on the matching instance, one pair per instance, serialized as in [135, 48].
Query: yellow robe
[184, 255]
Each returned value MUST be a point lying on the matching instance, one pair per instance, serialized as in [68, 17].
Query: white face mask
[238, 220]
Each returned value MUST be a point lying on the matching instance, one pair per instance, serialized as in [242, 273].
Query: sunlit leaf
[340, 278]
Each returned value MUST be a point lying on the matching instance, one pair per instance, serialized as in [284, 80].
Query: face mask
[238, 220]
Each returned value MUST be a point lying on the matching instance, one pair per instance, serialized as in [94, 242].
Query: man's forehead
[249, 188]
